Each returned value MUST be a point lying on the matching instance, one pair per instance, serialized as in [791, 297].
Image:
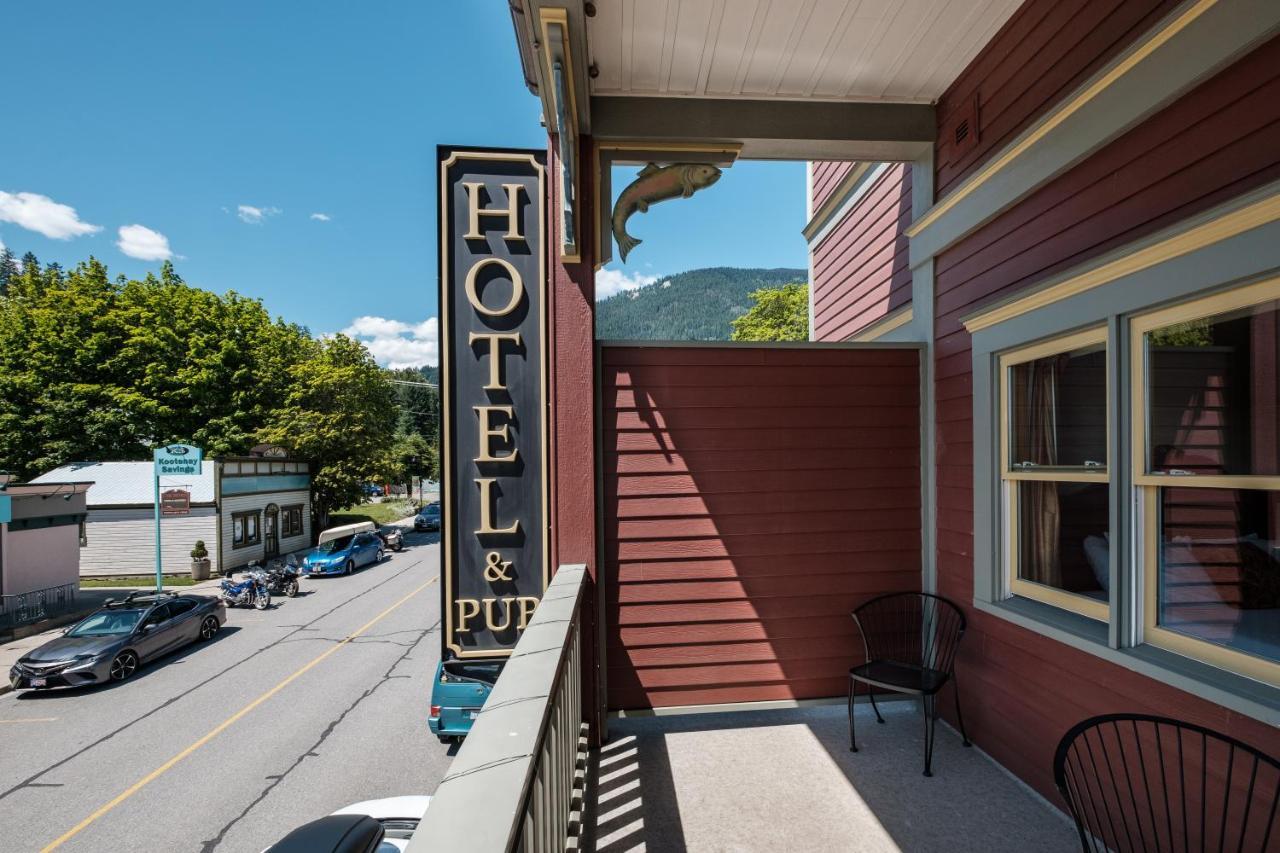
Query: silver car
[112, 642]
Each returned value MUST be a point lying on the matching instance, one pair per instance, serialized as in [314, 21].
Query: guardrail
[517, 782]
[30, 607]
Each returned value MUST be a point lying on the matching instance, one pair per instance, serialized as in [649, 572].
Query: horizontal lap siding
[1218, 141]
[827, 175]
[752, 497]
[1045, 51]
[860, 269]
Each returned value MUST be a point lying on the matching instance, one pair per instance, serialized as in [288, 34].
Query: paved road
[180, 758]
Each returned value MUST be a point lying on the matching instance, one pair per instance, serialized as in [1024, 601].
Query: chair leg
[871, 691]
[930, 717]
[955, 686]
[853, 746]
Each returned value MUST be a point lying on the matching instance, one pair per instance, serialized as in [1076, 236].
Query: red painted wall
[827, 175]
[1041, 54]
[752, 497]
[860, 269]
[1216, 142]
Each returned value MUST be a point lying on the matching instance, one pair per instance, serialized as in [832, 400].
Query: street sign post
[172, 460]
[6, 509]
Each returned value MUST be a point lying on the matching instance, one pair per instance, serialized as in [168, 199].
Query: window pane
[1058, 414]
[237, 530]
[1063, 536]
[1215, 394]
[1219, 569]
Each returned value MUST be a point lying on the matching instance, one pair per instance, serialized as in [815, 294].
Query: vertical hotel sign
[493, 369]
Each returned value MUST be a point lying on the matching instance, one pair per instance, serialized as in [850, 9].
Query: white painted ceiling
[854, 50]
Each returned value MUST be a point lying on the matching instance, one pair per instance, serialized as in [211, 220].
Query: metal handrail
[516, 783]
[27, 608]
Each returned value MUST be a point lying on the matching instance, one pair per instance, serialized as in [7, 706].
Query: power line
[416, 384]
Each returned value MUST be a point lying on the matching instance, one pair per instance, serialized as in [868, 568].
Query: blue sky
[286, 153]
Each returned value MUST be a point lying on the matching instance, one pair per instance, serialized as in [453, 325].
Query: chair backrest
[912, 628]
[1136, 782]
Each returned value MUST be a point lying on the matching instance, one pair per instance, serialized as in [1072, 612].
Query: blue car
[457, 695]
[342, 550]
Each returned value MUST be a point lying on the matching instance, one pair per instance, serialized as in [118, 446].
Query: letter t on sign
[511, 211]
[495, 340]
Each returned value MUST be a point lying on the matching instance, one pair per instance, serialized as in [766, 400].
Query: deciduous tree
[778, 314]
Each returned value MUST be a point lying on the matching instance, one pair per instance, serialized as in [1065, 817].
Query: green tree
[339, 413]
[8, 268]
[412, 455]
[778, 314]
[419, 402]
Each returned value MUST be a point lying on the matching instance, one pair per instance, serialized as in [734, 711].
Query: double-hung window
[1206, 451]
[1054, 424]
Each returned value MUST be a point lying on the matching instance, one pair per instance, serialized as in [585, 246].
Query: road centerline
[227, 723]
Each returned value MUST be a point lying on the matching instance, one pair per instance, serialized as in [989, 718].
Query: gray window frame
[1236, 261]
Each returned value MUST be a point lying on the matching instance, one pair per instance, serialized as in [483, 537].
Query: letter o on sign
[517, 288]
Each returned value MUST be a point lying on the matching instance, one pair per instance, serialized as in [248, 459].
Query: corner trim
[1214, 226]
[835, 199]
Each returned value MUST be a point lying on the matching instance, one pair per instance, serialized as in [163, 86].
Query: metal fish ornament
[653, 185]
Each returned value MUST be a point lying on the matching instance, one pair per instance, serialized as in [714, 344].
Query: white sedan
[397, 818]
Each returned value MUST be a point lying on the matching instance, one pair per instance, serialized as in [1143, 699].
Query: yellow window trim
[1015, 585]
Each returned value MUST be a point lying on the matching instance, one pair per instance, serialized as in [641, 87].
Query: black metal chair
[910, 640]
[1136, 782]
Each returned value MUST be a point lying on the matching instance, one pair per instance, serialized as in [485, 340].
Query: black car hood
[65, 648]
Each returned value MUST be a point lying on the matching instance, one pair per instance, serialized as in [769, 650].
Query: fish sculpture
[655, 184]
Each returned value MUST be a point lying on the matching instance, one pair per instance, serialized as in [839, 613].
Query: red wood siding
[1216, 142]
[1046, 50]
[860, 269]
[752, 497]
[827, 175]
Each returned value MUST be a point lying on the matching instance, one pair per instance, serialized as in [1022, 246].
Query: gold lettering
[487, 510]
[488, 432]
[527, 604]
[517, 287]
[465, 605]
[488, 614]
[511, 211]
[495, 355]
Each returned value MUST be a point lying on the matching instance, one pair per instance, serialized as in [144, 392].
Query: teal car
[457, 695]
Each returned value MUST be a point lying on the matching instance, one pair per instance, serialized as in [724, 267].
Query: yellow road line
[31, 720]
[221, 727]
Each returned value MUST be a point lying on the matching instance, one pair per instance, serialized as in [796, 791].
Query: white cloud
[321, 217]
[397, 344]
[139, 241]
[255, 215]
[610, 282]
[43, 215]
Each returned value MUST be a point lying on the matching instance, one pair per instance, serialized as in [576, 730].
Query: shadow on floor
[785, 780]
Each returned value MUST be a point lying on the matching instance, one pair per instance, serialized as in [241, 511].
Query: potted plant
[199, 562]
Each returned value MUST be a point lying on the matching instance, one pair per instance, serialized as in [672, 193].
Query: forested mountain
[699, 305]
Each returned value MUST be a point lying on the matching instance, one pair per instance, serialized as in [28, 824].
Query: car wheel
[263, 601]
[125, 665]
[291, 589]
[382, 555]
[209, 627]
[351, 566]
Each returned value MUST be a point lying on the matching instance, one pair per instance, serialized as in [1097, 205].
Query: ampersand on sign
[495, 569]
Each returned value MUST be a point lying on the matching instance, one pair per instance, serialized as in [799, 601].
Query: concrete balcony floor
[785, 780]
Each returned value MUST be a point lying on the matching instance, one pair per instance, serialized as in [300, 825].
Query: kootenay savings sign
[493, 369]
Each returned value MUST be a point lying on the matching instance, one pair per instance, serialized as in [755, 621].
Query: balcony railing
[30, 607]
[517, 782]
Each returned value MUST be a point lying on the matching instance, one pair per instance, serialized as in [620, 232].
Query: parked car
[113, 641]
[428, 518]
[379, 826]
[372, 490]
[344, 549]
[458, 694]
[392, 537]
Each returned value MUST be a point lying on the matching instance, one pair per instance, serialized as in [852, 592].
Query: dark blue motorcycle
[252, 591]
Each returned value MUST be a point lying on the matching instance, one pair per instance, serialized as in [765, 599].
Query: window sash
[1145, 518]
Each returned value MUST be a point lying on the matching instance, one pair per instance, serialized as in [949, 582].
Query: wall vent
[964, 129]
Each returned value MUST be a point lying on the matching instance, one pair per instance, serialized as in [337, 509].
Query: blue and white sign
[178, 460]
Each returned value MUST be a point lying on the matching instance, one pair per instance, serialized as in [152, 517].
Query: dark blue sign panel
[493, 393]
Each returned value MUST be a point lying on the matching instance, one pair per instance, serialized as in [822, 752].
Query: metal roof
[129, 483]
